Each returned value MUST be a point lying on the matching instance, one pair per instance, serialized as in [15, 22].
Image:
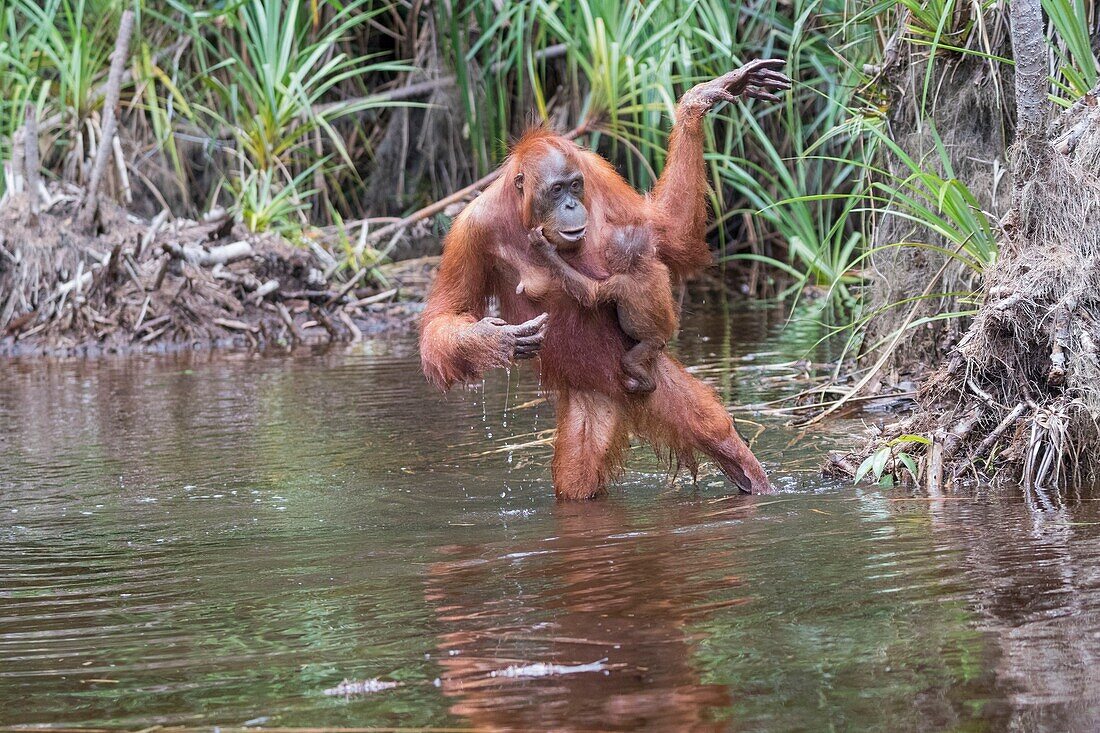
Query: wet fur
[487, 253]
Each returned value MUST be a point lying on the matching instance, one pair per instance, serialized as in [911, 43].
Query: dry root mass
[132, 284]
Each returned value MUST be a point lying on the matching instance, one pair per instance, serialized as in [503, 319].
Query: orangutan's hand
[759, 79]
[508, 343]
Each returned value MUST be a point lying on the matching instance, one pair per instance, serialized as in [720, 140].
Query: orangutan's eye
[557, 188]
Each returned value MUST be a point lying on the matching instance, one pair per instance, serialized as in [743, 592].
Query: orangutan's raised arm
[679, 198]
[457, 342]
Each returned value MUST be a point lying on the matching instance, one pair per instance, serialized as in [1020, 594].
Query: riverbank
[137, 285]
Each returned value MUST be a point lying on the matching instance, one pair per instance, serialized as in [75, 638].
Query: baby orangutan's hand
[538, 241]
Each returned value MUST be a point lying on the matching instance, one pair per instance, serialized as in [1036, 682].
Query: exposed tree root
[1020, 396]
[958, 129]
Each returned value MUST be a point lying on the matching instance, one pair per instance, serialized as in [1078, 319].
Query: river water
[221, 538]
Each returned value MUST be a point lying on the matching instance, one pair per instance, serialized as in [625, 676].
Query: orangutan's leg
[589, 444]
[687, 415]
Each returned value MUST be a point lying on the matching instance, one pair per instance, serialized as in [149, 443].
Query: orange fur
[485, 255]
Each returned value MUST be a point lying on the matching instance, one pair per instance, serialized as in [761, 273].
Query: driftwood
[183, 282]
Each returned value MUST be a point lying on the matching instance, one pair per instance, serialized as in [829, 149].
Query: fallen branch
[321, 317]
[295, 332]
[356, 333]
[377, 298]
[77, 283]
[993, 436]
[235, 325]
[265, 289]
[151, 232]
[958, 434]
[221, 255]
[347, 287]
[395, 229]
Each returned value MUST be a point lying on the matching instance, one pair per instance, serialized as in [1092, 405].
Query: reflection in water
[1037, 592]
[600, 588]
[214, 539]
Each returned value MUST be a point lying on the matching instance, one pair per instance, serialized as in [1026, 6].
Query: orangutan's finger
[757, 93]
[526, 352]
[773, 75]
[529, 327]
[780, 82]
[534, 340]
[756, 64]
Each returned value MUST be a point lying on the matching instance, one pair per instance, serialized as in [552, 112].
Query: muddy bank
[133, 285]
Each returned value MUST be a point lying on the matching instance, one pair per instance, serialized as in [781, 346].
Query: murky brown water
[218, 539]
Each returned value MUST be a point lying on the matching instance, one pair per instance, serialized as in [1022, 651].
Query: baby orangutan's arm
[583, 289]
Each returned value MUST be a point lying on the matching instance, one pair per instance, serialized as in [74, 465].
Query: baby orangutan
[639, 287]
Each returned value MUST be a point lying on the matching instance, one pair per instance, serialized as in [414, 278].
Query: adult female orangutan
[581, 205]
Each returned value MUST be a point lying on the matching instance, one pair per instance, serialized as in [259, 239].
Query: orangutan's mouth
[573, 235]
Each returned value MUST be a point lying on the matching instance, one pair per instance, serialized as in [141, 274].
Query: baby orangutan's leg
[638, 365]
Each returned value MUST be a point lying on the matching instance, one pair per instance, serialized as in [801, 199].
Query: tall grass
[627, 62]
[55, 54]
[274, 107]
[1077, 63]
[265, 81]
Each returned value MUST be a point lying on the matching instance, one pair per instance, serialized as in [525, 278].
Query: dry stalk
[89, 209]
[31, 163]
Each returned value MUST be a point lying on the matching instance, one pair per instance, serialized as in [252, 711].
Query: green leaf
[863, 468]
[910, 464]
[881, 456]
[908, 438]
